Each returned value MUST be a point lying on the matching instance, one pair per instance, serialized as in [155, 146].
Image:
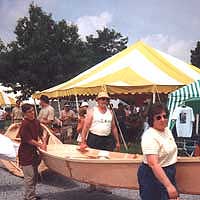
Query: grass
[134, 148]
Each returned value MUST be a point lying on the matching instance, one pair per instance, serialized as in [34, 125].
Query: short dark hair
[156, 109]
[26, 107]
[120, 104]
[18, 101]
[82, 112]
[44, 98]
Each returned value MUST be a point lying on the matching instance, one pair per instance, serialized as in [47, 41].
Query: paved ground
[55, 187]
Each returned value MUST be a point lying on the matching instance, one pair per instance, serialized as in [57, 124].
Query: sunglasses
[103, 99]
[159, 117]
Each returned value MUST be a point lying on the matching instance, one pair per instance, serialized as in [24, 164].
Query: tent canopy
[194, 103]
[137, 69]
[185, 94]
[5, 99]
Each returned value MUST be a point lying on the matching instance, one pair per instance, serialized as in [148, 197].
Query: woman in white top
[101, 126]
[156, 175]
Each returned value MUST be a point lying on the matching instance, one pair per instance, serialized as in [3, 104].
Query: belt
[100, 135]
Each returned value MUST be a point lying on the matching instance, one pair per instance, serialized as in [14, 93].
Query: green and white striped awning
[182, 95]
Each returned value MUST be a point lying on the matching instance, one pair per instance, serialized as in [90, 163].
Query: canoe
[114, 169]
[111, 169]
[93, 166]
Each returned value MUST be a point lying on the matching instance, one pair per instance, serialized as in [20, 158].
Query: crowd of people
[132, 121]
[98, 128]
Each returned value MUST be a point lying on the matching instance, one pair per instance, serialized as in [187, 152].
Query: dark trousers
[100, 142]
[150, 187]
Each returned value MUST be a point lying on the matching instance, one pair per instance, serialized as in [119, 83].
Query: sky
[171, 26]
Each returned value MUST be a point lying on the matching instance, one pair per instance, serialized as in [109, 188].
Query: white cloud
[11, 11]
[171, 45]
[89, 24]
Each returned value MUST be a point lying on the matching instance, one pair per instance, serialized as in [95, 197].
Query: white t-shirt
[67, 117]
[101, 122]
[184, 117]
[46, 113]
[159, 143]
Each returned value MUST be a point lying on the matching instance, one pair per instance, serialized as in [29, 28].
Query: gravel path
[56, 187]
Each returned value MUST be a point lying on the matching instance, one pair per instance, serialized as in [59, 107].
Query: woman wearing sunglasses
[156, 175]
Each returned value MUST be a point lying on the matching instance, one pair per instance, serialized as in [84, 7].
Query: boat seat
[186, 146]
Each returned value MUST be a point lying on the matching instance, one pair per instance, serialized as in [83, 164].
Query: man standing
[101, 125]
[29, 133]
[3, 115]
[67, 116]
[46, 114]
[16, 115]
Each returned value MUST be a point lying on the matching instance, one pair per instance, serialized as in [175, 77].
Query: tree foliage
[195, 55]
[105, 44]
[46, 53]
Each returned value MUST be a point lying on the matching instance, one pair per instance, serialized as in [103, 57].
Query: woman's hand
[117, 146]
[173, 194]
[83, 146]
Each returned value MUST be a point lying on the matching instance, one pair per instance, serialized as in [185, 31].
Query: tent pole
[197, 124]
[117, 123]
[36, 112]
[59, 109]
[77, 106]
[154, 98]
[158, 95]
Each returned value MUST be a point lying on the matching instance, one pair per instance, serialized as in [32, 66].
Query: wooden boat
[93, 166]
[111, 169]
[13, 166]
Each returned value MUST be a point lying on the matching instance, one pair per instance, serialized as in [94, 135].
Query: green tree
[2, 46]
[44, 54]
[107, 43]
[195, 55]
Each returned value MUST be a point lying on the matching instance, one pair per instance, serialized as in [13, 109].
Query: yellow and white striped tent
[5, 99]
[137, 69]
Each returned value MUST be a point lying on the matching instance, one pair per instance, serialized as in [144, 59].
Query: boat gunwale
[188, 159]
[94, 160]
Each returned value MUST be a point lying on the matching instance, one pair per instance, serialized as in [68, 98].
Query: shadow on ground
[77, 194]
[54, 179]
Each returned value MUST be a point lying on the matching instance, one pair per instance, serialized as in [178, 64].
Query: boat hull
[188, 176]
[119, 170]
[120, 175]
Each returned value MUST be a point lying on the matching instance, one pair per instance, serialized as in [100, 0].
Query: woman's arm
[80, 125]
[152, 161]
